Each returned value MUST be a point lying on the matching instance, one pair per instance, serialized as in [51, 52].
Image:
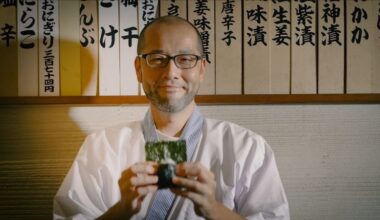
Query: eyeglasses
[182, 61]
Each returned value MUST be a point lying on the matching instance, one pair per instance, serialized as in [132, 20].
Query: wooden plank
[147, 11]
[128, 48]
[173, 8]
[359, 45]
[109, 70]
[331, 47]
[49, 74]
[201, 14]
[279, 48]
[375, 53]
[27, 21]
[256, 47]
[205, 99]
[89, 51]
[8, 50]
[69, 37]
[303, 50]
[228, 54]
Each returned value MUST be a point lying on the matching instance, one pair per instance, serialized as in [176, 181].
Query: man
[230, 173]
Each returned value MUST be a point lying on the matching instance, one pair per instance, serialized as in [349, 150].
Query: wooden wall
[328, 155]
[37, 146]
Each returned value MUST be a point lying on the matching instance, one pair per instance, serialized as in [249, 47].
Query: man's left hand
[197, 184]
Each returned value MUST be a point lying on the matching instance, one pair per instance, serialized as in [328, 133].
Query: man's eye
[157, 59]
[185, 59]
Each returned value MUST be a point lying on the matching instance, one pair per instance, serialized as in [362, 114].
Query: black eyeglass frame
[198, 57]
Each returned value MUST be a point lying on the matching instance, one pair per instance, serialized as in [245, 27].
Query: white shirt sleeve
[83, 194]
[262, 195]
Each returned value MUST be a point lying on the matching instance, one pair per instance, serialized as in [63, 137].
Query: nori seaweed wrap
[168, 154]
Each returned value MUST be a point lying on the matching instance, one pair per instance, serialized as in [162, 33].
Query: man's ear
[138, 69]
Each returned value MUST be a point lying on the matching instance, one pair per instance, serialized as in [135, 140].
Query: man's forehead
[177, 51]
[159, 27]
[170, 21]
[170, 33]
[180, 37]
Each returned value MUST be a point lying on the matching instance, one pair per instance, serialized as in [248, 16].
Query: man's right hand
[135, 183]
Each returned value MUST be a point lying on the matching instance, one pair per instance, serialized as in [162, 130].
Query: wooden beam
[205, 99]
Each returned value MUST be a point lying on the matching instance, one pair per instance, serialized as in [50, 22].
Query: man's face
[170, 89]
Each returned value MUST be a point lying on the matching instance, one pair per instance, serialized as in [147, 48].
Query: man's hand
[198, 184]
[135, 183]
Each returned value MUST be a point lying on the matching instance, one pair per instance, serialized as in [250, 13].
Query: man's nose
[172, 71]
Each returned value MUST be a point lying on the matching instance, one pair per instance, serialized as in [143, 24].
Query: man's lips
[169, 87]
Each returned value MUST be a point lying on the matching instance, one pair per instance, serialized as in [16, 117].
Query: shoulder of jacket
[230, 127]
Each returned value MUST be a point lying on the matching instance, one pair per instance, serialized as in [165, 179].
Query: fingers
[141, 167]
[197, 184]
[194, 177]
[143, 179]
[191, 185]
[135, 183]
[195, 170]
[143, 191]
[148, 167]
[197, 198]
[139, 178]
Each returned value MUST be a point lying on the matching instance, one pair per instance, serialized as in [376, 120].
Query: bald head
[166, 20]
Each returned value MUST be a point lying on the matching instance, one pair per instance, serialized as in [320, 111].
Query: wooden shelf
[205, 99]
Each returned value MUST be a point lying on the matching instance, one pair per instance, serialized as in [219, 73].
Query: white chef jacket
[243, 163]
